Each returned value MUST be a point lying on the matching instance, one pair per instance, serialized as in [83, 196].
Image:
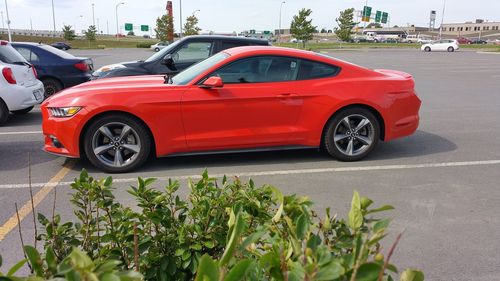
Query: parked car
[184, 53]
[417, 38]
[158, 46]
[56, 69]
[248, 98]
[61, 45]
[449, 45]
[20, 90]
[464, 40]
[479, 41]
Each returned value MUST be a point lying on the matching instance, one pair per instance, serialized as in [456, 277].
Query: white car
[20, 90]
[158, 46]
[449, 45]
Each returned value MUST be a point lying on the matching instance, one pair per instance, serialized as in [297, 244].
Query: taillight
[3, 43]
[34, 71]
[82, 66]
[9, 75]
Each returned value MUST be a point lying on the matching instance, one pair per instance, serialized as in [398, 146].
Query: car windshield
[9, 55]
[57, 52]
[190, 73]
[163, 52]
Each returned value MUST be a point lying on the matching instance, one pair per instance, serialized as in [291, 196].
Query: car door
[258, 106]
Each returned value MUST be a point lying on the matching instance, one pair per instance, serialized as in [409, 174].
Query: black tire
[157, 49]
[22, 111]
[451, 49]
[362, 140]
[51, 87]
[4, 112]
[139, 137]
[427, 49]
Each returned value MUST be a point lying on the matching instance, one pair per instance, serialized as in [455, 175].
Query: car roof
[268, 50]
[226, 37]
[27, 43]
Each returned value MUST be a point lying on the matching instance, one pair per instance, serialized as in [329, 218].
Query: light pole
[3, 24]
[116, 11]
[279, 26]
[93, 15]
[180, 17]
[442, 19]
[54, 18]
[8, 21]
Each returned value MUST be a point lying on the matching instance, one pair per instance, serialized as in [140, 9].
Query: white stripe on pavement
[20, 133]
[291, 172]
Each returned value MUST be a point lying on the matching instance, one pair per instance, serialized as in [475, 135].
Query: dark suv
[177, 56]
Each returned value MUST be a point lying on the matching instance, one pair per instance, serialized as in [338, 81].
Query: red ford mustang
[246, 98]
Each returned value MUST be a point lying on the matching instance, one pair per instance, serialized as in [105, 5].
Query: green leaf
[15, 268]
[381, 225]
[239, 271]
[412, 275]
[80, 260]
[252, 238]
[330, 271]
[107, 266]
[233, 240]
[302, 225]
[365, 202]
[381, 209]
[208, 270]
[50, 258]
[130, 276]
[108, 181]
[368, 272]
[355, 214]
[34, 259]
[109, 277]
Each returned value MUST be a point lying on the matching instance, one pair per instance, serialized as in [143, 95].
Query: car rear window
[57, 52]
[9, 55]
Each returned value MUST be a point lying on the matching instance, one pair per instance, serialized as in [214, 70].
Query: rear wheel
[427, 49]
[352, 134]
[22, 111]
[51, 87]
[4, 112]
[157, 49]
[451, 49]
[117, 143]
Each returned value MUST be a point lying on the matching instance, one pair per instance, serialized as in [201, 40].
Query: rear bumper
[404, 118]
[19, 97]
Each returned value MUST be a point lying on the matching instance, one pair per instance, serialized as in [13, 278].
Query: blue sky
[237, 15]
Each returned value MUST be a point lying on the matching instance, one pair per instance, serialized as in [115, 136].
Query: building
[472, 29]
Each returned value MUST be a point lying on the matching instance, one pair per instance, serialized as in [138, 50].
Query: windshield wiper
[23, 63]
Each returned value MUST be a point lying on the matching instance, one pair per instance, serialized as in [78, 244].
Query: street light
[3, 24]
[442, 18]
[53, 17]
[180, 17]
[116, 11]
[279, 27]
[196, 11]
[8, 21]
[93, 15]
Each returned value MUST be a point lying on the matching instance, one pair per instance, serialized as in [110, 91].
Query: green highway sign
[267, 32]
[252, 31]
[144, 27]
[367, 13]
[384, 17]
[378, 16]
[129, 27]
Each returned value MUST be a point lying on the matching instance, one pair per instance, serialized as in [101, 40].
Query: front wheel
[351, 134]
[117, 143]
[427, 49]
[157, 49]
[451, 49]
[22, 111]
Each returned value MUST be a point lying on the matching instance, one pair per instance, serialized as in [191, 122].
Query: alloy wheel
[354, 135]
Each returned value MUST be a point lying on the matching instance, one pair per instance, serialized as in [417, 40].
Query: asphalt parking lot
[443, 180]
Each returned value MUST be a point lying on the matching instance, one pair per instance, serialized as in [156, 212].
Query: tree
[374, 25]
[323, 30]
[190, 27]
[68, 33]
[165, 28]
[302, 28]
[90, 33]
[345, 24]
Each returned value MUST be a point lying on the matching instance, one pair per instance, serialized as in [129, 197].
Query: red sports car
[247, 98]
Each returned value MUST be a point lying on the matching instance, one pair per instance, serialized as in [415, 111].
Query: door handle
[286, 95]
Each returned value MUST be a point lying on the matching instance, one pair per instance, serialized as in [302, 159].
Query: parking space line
[292, 172]
[20, 133]
[26, 209]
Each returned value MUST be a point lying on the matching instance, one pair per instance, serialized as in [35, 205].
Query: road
[443, 180]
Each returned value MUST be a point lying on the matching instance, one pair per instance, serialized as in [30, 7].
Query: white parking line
[20, 133]
[291, 172]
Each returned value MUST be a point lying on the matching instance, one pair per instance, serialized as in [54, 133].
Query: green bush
[143, 45]
[223, 231]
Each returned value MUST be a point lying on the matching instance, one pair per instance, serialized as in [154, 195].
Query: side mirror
[168, 60]
[212, 82]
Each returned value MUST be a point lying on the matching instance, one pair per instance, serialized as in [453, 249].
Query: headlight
[64, 111]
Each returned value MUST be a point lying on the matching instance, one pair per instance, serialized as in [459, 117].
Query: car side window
[228, 45]
[28, 54]
[259, 70]
[315, 70]
[194, 51]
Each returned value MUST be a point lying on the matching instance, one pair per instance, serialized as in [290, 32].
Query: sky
[235, 15]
